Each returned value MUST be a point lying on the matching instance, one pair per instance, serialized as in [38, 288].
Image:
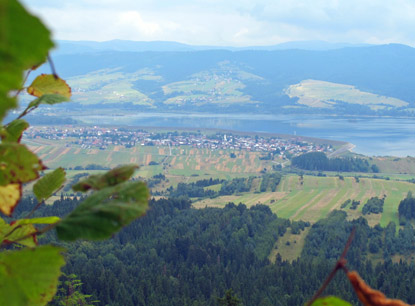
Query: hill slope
[256, 80]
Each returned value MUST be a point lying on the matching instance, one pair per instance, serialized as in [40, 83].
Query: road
[347, 147]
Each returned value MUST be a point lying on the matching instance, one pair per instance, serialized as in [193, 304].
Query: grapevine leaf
[330, 301]
[24, 42]
[18, 164]
[49, 184]
[110, 178]
[49, 84]
[48, 99]
[29, 276]
[14, 130]
[9, 197]
[105, 212]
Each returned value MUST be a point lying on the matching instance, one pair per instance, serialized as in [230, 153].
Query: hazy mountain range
[71, 47]
[297, 77]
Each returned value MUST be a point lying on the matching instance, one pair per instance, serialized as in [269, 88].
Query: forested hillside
[177, 255]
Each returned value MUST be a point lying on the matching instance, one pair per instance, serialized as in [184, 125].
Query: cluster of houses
[102, 137]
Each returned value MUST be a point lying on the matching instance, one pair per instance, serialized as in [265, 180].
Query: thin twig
[38, 232]
[34, 209]
[52, 67]
[24, 81]
[12, 231]
[340, 264]
[26, 111]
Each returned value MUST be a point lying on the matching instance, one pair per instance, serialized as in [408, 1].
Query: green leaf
[14, 130]
[29, 276]
[49, 184]
[24, 42]
[48, 99]
[330, 301]
[22, 234]
[110, 178]
[22, 231]
[41, 220]
[49, 84]
[16, 233]
[105, 212]
[18, 164]
[9, 197]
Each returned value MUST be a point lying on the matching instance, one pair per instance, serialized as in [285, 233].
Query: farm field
[182, 160]
[308, 199]
[312, 198]
[178, 164]
[315, 93]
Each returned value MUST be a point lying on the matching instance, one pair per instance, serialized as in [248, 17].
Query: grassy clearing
[110, 86]
[403, 166]
[206, 87]
[289, 251]
[322, 94]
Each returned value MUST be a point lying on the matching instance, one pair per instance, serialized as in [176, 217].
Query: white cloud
[221, 22]
[132, 21]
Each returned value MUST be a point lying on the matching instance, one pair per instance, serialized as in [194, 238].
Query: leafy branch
[29, 273]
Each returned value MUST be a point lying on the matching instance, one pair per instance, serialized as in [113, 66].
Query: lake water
[370, 135]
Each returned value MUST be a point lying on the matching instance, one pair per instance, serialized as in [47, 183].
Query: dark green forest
[320, 162]
[177, 255]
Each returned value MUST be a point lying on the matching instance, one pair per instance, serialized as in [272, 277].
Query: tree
[29, 273]
[229, 299]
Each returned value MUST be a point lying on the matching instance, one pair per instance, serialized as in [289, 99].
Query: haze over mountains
[69, 47]
[297, 77]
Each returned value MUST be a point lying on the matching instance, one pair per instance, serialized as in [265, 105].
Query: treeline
[407, 209]
[318, 161]
[198, 190]
[91, 167]
[327, 237]
[195, 190]
[269, 182]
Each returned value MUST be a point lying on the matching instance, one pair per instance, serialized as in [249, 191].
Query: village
[103, 137]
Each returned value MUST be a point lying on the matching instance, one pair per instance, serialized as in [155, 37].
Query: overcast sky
[230, 22]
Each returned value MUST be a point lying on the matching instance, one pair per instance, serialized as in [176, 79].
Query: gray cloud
[239, 23]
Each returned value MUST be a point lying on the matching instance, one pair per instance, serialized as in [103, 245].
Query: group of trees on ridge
[318, 161]
[269, 182]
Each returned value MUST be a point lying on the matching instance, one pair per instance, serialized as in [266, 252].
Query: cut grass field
[314, 198]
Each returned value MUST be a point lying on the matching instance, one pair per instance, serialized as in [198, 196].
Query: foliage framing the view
[29, 273]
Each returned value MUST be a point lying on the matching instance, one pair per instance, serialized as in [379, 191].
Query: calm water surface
[372, 136]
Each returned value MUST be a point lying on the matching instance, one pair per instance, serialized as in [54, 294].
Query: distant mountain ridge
[70, 47]
[258, 81]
